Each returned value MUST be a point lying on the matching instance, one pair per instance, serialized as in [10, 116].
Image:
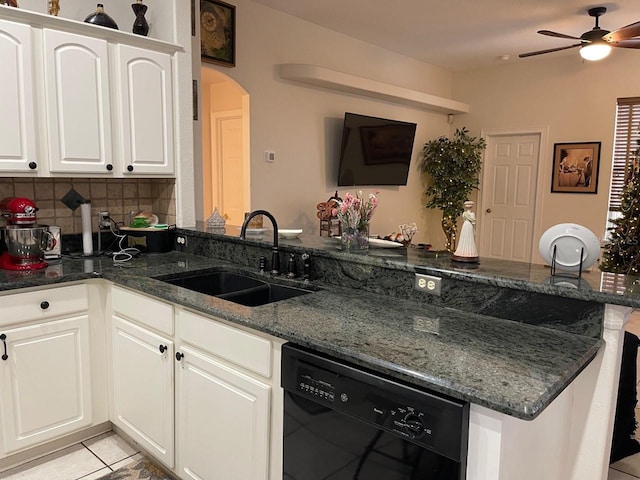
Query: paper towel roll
[87, 237]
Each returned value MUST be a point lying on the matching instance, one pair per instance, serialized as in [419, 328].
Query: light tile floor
[629, 468]
[88, 460]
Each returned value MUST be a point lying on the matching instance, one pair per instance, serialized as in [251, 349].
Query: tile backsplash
[117, 195]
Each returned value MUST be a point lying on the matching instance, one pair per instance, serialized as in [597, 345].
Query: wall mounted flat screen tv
[375, 151]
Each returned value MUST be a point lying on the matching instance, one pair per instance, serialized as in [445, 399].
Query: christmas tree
[622, 253]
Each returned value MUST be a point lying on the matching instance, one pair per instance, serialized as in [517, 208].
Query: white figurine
[467, 251]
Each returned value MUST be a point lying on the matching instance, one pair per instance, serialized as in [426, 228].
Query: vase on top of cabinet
[101, 18]
[140, 25]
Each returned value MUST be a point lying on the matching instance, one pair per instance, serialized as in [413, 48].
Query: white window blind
[626, 139]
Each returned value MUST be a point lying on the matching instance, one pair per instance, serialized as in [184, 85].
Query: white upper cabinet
[77, 100]
[17, 120]
[89, 101]
[145, 94]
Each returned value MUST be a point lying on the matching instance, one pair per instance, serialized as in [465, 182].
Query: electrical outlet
[428, 284]
[104, 223]
[427, 324]
[181, 243]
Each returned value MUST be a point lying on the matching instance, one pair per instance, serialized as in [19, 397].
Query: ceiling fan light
[595, 51]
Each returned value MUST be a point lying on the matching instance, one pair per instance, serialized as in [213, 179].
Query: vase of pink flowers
[354, 213]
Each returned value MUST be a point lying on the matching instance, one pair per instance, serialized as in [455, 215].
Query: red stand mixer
[25, 242]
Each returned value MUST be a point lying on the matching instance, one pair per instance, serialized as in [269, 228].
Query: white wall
[303, 125]
[574, 101]
[157, 15]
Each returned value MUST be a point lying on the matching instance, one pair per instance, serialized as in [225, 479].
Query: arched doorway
[225, 146]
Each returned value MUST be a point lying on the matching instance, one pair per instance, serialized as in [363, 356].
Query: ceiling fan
[596, 43]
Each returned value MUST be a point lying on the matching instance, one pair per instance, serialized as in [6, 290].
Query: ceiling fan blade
[631, 43]
[623, 33]
[549, 50]
[549, 33]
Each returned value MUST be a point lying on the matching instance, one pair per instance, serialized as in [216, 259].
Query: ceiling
[461, 34]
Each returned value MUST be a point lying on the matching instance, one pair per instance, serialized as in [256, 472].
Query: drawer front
[43, 304]
[142, 309]
[234, 345]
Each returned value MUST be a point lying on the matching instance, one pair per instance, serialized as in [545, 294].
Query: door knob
[488, 210]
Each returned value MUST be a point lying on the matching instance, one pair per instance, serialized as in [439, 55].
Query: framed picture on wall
[218, 32]
[575, 167]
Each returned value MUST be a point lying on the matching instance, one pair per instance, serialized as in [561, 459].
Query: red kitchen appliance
[18, 211]
[24, 243]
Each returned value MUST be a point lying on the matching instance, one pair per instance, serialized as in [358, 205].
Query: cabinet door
[45, 382]
[17, 123]
[146, 96]
[222, 421]
[77, 101]
[143, 387]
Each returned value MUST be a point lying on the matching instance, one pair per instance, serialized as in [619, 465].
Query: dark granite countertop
[593, 285]
[510, 367]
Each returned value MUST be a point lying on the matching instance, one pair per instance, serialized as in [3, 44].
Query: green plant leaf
[453, 165]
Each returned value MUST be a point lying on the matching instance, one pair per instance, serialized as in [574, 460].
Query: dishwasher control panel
[437, 422]
[315, 387]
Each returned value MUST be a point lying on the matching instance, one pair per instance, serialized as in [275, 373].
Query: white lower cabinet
[222, 419]
[45, 367]
[143, 387]
[220, 376]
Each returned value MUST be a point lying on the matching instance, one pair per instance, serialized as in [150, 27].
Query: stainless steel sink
[236, 287]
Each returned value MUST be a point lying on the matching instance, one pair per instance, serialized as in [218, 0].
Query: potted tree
[453, 165]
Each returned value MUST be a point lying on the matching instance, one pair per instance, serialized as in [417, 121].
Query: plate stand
[566, 274]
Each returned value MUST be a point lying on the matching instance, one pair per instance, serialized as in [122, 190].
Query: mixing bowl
[27, 245]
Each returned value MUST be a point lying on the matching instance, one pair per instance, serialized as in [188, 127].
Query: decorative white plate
[290, 232]
[379, 243]
[254, 231]
[568, 239]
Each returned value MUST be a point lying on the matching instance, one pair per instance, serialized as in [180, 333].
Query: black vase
[101, 18]
[140, 25]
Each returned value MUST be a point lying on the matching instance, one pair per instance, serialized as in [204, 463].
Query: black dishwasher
[342, 422]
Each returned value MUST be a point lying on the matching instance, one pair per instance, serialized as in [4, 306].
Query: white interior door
[229, 174]
[509, 196]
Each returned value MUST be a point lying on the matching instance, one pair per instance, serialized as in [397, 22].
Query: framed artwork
[193, 18]
[218, 32]
[575, 167]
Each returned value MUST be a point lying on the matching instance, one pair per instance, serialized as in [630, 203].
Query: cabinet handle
[44, 305]
[179, 356]
[3, 337]
[162, 348]
[109, 167]
[33, 165]
[129, 168]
